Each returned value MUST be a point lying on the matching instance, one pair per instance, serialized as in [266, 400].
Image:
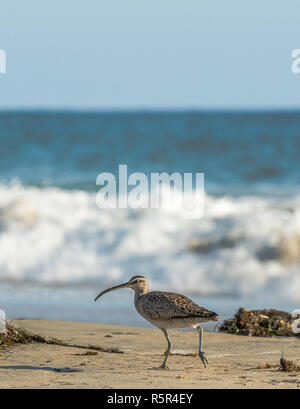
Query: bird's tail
[214, 316]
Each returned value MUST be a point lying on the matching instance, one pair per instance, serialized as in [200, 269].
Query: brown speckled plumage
[171, 308]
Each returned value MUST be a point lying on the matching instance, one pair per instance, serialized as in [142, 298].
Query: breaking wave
[243, 245]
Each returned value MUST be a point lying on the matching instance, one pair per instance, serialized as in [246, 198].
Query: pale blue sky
[128, 54]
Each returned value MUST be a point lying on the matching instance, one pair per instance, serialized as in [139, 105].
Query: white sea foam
[54, 236]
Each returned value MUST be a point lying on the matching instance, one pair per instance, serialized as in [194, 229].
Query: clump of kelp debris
[13, 336]
[284, 366]
[259, 323]
[288, 366]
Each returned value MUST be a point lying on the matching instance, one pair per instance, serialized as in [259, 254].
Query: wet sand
[234, 360]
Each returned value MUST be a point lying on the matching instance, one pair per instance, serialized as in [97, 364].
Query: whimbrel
[167, 310]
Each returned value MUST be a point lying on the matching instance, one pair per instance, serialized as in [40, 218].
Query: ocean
[58, 249]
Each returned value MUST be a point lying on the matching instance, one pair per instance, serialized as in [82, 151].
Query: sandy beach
[235, 361]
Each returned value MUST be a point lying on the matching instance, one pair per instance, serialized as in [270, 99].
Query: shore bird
[167, 310]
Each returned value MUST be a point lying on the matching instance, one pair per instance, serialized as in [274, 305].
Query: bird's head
[138, 284]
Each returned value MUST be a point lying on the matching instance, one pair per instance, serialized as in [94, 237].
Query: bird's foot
[161, 367]
[203, 358]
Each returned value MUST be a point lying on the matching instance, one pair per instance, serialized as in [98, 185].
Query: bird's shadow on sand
[40, 368]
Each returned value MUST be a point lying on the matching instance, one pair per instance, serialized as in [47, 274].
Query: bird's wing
[164, 305]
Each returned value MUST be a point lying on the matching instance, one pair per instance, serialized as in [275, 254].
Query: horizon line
[149, 110]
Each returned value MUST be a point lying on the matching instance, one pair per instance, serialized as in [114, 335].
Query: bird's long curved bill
[116, 287]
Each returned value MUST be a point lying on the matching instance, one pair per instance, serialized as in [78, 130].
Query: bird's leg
[163, 365]
[201, 353]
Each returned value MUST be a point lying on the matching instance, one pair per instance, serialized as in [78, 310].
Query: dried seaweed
[284, 366]
[288, 366]
[14, 336]
[260, 323]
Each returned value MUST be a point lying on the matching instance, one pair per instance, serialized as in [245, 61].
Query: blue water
[70, 149]
[57, 247]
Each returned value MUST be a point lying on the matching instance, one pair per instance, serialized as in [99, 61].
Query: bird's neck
[138, 293]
